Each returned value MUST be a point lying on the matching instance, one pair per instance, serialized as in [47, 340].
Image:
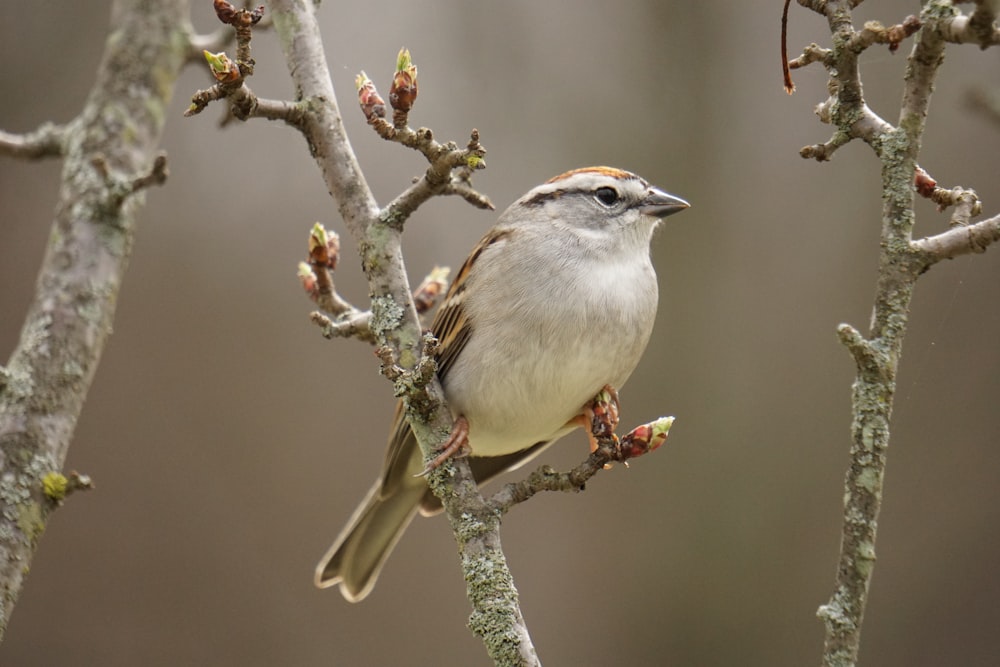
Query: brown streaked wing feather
[452, 328]
[451, 323]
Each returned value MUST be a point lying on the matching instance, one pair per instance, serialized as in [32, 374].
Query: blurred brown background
[229, 442]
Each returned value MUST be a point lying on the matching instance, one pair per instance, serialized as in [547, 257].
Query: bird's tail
[356, 558]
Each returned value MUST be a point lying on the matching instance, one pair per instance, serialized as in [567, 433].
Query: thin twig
[46, 141]
[355, 325]
[960, 240]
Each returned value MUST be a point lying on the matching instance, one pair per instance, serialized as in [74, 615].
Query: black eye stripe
[607, 195]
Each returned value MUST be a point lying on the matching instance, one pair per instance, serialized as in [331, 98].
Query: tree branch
[901, 262]
[959, 240]
[979, 28]
[395, 326]
[47, 141]
[44, 385]
[438, 179]
[640, 440]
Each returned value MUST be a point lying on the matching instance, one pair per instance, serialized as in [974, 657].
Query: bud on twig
[224, 70]
[604, 414]
[229, 15]
[644, 439]
[923, 183]
[372, 104]
[324, 251]
[308, 278]
[431, 289]
[324, 247]
[403, 92]
[897, 33]
[226, 11]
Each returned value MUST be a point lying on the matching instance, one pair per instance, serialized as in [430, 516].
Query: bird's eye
[607, 196]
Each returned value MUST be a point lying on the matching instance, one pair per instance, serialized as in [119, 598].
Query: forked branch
[901, 261]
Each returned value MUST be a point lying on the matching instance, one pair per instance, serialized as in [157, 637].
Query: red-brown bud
[923, 182]
[224, 69]
[372, 104]
[431, 289]
[898, 33]
[644, 439]
[604, 414]
[229, 15]
[403, 92]
[324, 247]
[226, 11]
[308, 279]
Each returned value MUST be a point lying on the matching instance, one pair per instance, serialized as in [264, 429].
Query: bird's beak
[660, 204]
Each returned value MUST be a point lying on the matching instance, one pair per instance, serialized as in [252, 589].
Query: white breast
[545, 358]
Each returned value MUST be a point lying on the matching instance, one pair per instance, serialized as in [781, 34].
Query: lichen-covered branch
[901, 261]
[394, 323]
[43, 387]
[340, 319]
